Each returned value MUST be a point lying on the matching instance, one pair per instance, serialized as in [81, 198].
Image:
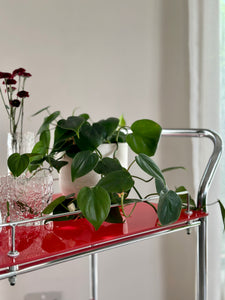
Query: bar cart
[28, 248]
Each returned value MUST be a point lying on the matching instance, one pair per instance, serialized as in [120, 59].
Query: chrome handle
[213, 161]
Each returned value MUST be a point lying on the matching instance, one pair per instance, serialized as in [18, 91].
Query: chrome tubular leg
[93, 273]
[202, 261]
[13, 252]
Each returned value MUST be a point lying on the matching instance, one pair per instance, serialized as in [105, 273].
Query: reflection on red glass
[52, 243]
[62, 238]
[80, 230]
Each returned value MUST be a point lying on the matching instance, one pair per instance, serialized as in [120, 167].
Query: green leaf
[169, 207]
[56, 164]
[150, 167]
[94, 204]
[61, 136]
[62, 207]
[82, 163]
[110, 125]
[85, 116]
[107, 165]
[41, 110]
[39, 149]
[160, 186]
[91, 136]
[37, 158]
[117, 181]
[18, 163]
[72, 123]
[49, 209]
[47, 121]
[145, 137]
[45, 139]
[122, 122]
[222, 210]
[115, 138]
[37, 161]
[172, 169]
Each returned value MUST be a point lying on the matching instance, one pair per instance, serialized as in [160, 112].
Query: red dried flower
[23, 94]
[25, 74]
[10, 88]
[5, 75]
[19, 72]
[14, 103]
[10, 81]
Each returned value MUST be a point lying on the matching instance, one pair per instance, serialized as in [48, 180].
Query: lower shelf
[58, 241]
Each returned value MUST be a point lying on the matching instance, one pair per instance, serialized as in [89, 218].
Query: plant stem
[20, 112]
[19, 83]
[145, 180]
[131, 165]
[99, 153]
[24, 79]
[38, 170]
[21, 120]
[4, 102]
[7, 90]
[122, 206]
[152, 194]
[139, 195]
[114, 153]
[212, 203]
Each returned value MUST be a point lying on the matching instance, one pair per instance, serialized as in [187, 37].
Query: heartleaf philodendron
[149, 166]
[94, 204]
[18, 163]
[78, 138]
[83, 162]
[144, 137]
[117, 181]
[169, 207]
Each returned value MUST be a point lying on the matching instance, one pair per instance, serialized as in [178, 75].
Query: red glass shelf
[60, 239]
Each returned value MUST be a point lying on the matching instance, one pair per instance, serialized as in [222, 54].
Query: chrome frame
[93, 254]
[204, 185]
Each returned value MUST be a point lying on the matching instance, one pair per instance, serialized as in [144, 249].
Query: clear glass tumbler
[25, 197]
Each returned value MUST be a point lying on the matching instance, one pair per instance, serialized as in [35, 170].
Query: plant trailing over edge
[80, 139]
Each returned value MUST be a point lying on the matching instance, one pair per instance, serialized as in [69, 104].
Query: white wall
[105, 58]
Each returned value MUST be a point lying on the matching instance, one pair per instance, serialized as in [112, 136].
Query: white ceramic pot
[65, 182]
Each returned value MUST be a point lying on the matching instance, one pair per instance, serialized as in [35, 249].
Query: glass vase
[25, 197]
[17, 143]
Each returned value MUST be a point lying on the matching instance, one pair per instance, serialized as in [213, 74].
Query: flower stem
[4, 102]
[21, 120]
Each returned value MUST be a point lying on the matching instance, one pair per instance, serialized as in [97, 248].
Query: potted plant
[80, 139]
